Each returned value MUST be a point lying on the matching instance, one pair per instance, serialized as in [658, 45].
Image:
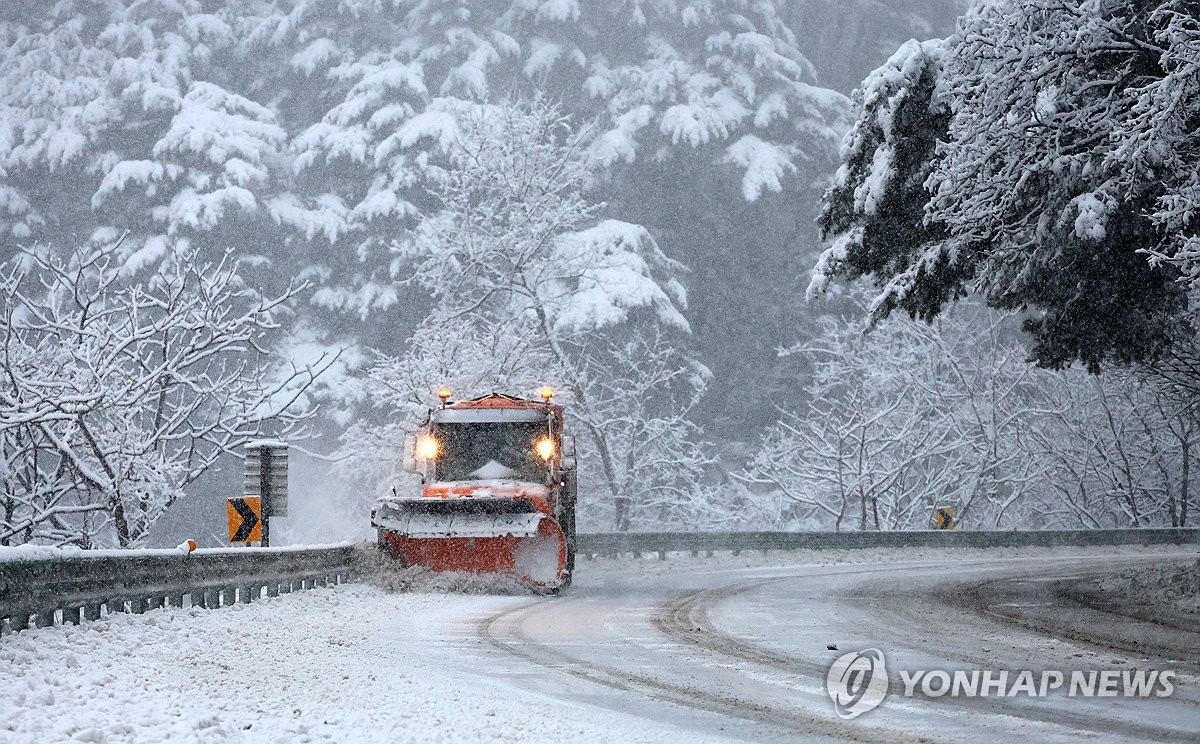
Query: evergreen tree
[1063, 182]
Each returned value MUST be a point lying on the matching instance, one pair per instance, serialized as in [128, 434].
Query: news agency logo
[857, 682]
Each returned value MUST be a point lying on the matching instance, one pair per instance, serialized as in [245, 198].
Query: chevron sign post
[265, 484]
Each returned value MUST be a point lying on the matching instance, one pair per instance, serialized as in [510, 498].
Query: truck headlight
[427, 447]
[545, 448]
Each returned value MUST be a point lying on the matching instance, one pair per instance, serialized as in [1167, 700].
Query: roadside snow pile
[342, 664]
[1174, 586]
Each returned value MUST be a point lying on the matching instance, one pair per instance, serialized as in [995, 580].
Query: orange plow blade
[538, 559]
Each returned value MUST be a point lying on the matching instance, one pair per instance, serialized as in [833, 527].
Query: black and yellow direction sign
[943, 518]
[245, 519]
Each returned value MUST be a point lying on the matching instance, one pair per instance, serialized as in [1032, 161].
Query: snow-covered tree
[301, 132]
[113, 123]
[635, 391]
[515, 258]
[1120, 452]
[905, 420]
[875, 210]
[1064, 179]
[919, 415]
[119, 388]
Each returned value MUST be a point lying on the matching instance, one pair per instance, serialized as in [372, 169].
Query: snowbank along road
[704, 649]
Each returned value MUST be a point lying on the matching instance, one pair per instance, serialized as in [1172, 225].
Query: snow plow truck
[497, 492]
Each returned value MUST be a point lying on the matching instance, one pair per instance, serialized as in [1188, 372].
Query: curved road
[743, 653]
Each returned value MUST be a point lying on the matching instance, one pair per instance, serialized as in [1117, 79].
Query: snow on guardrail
[42, 586]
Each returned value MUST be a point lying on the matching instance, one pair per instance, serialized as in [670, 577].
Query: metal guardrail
[639, 543]
[69, 587]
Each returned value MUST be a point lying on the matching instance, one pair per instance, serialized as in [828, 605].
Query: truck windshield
[490, 451]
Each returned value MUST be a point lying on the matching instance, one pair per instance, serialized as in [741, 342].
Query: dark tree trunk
[1185, 486]
[117, 508]
[622, 513]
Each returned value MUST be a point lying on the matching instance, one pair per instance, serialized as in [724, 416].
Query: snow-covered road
[692, 649]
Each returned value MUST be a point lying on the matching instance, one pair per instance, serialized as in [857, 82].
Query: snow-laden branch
[119, 391]
[528, 287]
[951, 414]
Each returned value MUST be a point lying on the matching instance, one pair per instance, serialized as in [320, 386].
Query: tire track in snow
[1048, 606]
[505, 632]
[687, 620]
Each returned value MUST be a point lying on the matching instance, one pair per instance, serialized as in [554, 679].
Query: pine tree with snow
[1062, 180]
[299, 132]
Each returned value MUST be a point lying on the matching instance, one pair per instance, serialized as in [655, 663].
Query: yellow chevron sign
[943, 518]
[245, 519]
